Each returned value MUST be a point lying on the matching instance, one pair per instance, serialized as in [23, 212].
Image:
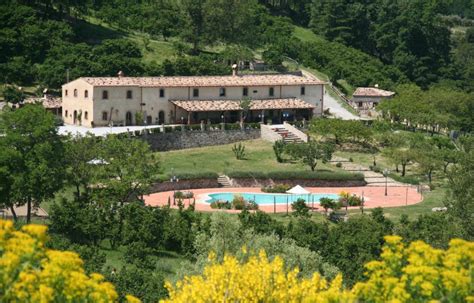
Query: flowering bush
[346, 199]
[417, 273]
[31, 273]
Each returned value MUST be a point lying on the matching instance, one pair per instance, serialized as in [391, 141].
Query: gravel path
[336, 109]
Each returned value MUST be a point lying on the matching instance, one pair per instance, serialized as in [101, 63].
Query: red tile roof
[372, 92]
[225, 105]
[47, 102]
[205, 81]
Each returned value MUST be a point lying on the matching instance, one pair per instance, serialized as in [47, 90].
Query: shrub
[300, 209]
[32, 273]
[195, 175]
[252, 205]
[415, 271]
[279, 149]
[346, 199]
[376, 169]
[178, 195]
[238, 202]
[277, 188]
[239, 151]
[232, 126]
[221, 205]
[339, 164]
[351, 160]
[299, 175]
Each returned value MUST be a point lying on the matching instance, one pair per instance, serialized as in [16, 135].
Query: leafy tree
[81, 158]
[353, 243]
[300, 209]
[279, 149]
[340, 129]
[327, 203]
[227, 236]
[310, 153]
[80, 221]
[12, 94]
[436, 229]
[147, 285]
[245, 104]
[131, 168]
[460, 199]
[31, 135]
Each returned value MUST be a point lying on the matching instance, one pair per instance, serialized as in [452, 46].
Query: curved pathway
[373, 196]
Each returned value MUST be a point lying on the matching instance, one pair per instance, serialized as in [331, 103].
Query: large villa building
[105, 101]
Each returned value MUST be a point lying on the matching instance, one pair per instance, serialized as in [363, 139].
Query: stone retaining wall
[189, 139]
[184, 184]
[248, 182]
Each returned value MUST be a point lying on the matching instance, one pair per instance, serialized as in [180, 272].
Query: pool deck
[373, 196]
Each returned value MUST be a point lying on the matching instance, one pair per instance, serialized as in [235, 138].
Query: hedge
[189, 176]
[299, 175]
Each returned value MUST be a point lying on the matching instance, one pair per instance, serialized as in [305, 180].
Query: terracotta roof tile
[47, 102]
[203, 81]
[225, 105]
[372, 92]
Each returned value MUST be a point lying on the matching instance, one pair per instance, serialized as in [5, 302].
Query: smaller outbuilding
[365, 98]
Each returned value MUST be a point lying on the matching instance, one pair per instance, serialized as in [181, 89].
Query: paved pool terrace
[373, 196]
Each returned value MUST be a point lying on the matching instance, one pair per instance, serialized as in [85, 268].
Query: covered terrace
[230, 111]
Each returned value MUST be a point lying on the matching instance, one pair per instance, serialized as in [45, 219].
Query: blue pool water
[262, 199]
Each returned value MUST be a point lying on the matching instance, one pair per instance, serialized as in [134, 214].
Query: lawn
[221, 159]
[431, 199]
[167, 262]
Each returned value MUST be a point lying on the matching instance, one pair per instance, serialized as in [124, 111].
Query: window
[245, 91]
[104, 116]
[222, 92]
[195, 92]
[105, 95]
[86, 115]
[65, 114]
[75, 92]
[86, 94]
[65, 92]
[303, 90]
[360, 104]
[162, 93]
[271, 91]
[129, 94]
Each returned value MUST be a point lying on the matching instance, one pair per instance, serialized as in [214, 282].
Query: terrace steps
[224, 181]
[287, 135]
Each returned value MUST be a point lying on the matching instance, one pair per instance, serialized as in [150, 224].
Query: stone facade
[189, 139]
[121, 100]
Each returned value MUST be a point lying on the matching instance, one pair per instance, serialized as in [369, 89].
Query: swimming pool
[262, 199]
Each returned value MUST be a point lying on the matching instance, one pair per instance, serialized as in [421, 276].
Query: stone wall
[247, 182]
[189, 139]
[184, 184]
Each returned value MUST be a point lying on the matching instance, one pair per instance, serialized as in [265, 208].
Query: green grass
[168, 263]
[157, 50]
[306, 35]
[221, 159]
[431, 199]
[349, 89]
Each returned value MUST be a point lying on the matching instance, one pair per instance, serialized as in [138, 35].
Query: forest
[357, 40]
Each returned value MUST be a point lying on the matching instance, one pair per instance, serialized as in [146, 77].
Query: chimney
[234, 69]
[120, 74]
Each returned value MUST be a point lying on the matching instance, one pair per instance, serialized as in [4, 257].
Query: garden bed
[303, 178]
